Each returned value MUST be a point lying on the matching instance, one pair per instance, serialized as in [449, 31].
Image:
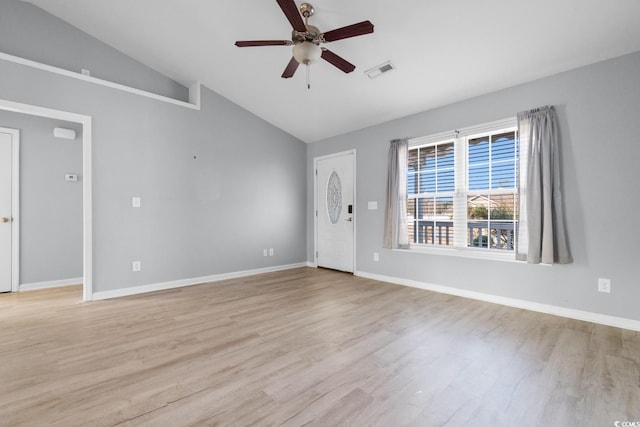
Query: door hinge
[316, 212]
[316, 172]
[316, 254]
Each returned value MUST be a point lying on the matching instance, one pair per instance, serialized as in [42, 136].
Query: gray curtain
[542, 234]
[396, 234]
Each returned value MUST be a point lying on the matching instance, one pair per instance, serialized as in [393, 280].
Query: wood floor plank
[306, 347]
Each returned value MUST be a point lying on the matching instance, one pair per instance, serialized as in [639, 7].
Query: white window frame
[460, 137]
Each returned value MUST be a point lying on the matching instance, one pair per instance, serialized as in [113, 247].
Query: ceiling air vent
[380, 69]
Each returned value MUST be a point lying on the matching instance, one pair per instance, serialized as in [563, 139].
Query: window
[431, 187]
[462, 188]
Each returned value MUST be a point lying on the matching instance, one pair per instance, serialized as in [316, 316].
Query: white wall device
[64, 133]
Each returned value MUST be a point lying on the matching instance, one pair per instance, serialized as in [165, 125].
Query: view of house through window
[431, 181]
[462, 190]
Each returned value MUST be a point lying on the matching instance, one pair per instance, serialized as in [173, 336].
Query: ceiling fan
[306, 39]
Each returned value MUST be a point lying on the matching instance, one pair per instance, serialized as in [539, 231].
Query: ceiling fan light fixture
[306, 53]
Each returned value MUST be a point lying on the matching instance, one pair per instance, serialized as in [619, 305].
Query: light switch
[372, 206]
[135, 202]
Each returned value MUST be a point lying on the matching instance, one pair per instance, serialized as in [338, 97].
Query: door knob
[4, 219]
[349, 219]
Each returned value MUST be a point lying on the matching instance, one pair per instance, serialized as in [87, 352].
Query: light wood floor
[307, 347]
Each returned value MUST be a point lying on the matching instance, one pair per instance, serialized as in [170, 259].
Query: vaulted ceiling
[444, 51]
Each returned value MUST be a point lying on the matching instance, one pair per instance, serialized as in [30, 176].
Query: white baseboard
[50, 284]
[587, 316]
[189, 282]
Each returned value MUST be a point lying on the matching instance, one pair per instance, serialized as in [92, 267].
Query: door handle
[349, 219]
[4, 219]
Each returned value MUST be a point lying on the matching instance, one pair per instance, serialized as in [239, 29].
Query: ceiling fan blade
[291, 12]
[337, 61]
[292, 66]
[364, 27]
[249, 43]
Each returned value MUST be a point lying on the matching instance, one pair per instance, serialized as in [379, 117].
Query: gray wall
[29, 32]
[50, 208]
[217, 185]
[598, 109]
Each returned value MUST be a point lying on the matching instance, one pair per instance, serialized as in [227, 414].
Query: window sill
[463, 253]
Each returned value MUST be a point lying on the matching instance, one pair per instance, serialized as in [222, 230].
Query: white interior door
[335, 218]
[6, 212]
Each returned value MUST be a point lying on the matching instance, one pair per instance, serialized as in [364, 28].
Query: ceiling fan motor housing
[312, 35]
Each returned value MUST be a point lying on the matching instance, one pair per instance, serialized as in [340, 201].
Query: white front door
[6, 213]
[335, 214]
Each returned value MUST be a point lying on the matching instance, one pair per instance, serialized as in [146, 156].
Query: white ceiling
[444, 51]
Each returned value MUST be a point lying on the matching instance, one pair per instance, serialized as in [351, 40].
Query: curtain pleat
[396, 234]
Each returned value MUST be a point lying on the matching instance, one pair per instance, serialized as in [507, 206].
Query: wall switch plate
[372, 205]
[270, 251]
[604, 285]
[135, 202]
[376, 256]
[85, 72]
[136, 266]
[265, 252]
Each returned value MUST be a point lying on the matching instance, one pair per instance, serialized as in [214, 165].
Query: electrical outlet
[270, 251]
[135, 202]
[604, 285]
[265, 252]
[376, 256]
[136, 266]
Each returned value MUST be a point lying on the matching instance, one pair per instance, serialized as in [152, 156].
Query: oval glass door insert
[334, 197]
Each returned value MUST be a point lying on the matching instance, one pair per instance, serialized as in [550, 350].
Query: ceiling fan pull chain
[308, 77]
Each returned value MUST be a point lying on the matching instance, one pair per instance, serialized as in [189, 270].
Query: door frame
[315, 202]
[15, 206]
[87, 234]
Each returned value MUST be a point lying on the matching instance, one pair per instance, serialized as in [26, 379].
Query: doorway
[85, 121]
[9, 204]
[335, 217]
